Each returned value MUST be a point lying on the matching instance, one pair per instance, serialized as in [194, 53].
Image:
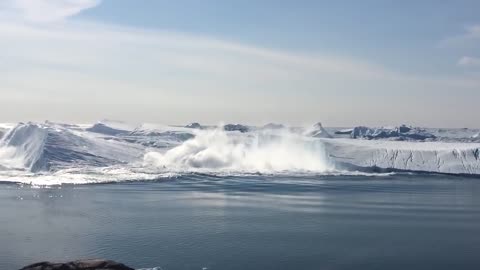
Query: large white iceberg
[438, 157]
[37, 147]
[400, 133]
[89, 153]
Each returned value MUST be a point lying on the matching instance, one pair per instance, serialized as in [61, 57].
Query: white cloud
[61, 70]
[473, 32]
[83, 71]
[468, 61]
[470, 36]
[45, 10]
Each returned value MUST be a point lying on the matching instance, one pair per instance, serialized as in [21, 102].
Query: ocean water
[195, 221]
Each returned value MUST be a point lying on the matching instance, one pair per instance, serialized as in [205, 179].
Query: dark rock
[79, 265]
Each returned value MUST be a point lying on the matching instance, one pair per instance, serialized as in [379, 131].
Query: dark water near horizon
[198, 222]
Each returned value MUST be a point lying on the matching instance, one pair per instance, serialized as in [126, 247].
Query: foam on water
[84, 176]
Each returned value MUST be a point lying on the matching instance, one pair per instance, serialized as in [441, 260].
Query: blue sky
[340, 62]
[392, 33]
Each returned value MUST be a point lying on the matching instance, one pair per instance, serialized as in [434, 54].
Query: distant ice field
[109, 151]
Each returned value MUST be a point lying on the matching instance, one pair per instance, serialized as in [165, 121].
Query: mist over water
[263, 152]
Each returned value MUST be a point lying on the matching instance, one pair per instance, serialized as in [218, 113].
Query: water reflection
[394, 222]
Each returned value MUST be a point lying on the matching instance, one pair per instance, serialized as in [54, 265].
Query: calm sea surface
[257, 222]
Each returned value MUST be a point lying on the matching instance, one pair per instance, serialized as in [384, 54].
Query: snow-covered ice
[401, 133]
[438, 157]
[318, 131]
[54, 153]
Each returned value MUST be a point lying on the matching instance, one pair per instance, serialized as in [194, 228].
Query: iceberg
[346, 131]
[374, 155]
[39, 147]
[110, 128]
[158, 136]
[23, 145]
[273, 126]
[398, 133]
[194, 125]
[114, 151]
[236, 127]
[318, 131]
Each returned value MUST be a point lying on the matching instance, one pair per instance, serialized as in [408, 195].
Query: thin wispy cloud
[45, 10]
[468, 61]
[465, 43]
[77, 64]
[469, 37]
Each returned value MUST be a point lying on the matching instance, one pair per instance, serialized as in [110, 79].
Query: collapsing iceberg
[48, 148]
[219, 151]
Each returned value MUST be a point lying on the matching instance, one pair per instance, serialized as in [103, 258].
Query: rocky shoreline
[78, 265]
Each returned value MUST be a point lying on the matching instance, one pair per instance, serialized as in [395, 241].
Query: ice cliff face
[23, 146]
[454, 158]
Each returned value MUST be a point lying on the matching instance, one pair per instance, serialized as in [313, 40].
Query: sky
[342, 63]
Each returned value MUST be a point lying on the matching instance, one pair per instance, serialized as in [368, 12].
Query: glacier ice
[105, 129]
[22, 146]
[236, 127]
[37, 147]
[318, 131]
[438, 157]
[346, 131]
[194, 125]
[273, 126]
[114, 151]
[402, 132]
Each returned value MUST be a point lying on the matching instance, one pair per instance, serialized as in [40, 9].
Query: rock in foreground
[79, 265]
